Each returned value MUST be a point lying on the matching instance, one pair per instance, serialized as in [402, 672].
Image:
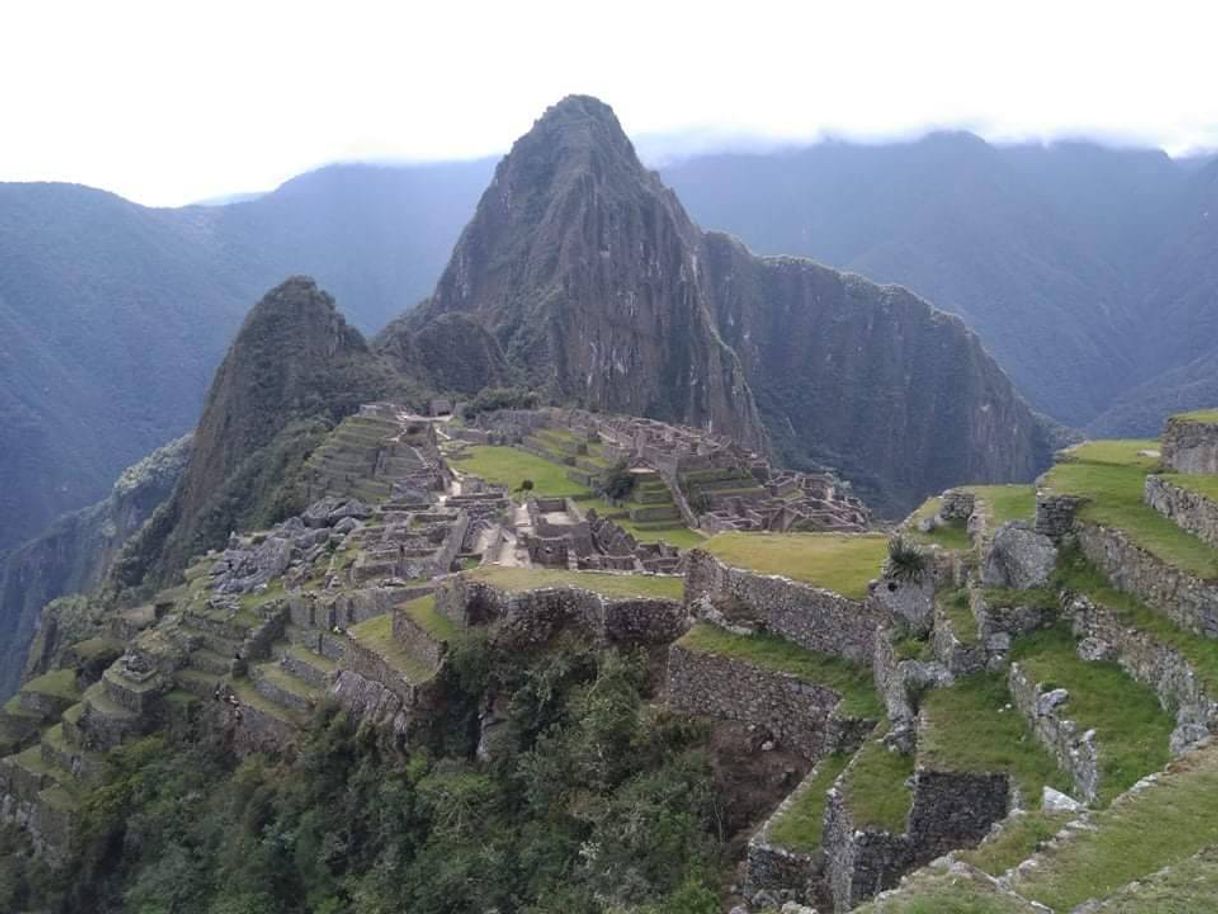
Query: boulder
[1019, 558]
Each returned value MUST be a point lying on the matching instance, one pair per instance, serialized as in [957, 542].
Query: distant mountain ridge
[113, 316]
[1085, 270]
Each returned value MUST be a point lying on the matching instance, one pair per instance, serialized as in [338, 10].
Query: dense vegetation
[591, 800]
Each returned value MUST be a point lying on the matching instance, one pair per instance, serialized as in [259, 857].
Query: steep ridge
[103, 301]
[601, 291]
[73, 555]
[584, 268]
[294, 370]
[869, 379]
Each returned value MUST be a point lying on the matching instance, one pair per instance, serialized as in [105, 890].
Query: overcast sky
[166, 103]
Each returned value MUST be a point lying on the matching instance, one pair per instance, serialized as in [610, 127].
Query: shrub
[906, 562]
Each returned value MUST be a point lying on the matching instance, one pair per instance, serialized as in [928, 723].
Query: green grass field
[1112, 477]
[1007, 502]
[1132, 729]
[841, 562]
[952, 535]
[1205, 416]
[802, 825]
[1201, 483]
[854, 682]
[971, 727]
[519, 580]
[376, 634]
[876, 789]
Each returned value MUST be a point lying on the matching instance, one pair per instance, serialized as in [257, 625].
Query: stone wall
[956, 504]
[536, 616]
[778, 871]
[859, 863]
[417, 641]
[817, 619]
[954, 809]
[1188, 601]
[371, 666]
[252, 729]
[1055, 513]
[1189, 446]
[372, 701]
[1074, 749]
[799, 715]
[1187, 509]
[1151, 662]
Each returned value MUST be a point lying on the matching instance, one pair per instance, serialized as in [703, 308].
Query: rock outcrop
[600, 291]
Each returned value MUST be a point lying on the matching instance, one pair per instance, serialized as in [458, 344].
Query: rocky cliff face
[295, 368]
[869, 379]
[73, 555]
[599, 290]
[584, 268]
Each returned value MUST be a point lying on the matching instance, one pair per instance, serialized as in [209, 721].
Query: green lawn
[853, 682]
[801, 825]
[955, 605]
[1204, 416]
[971, 727]
[509, 466]
[1021, 836]
[1007, 502]
[423, 612]
[1160, 826]
[876, 788]
[1117, 451]
[951, 535]
[376, 634]
[1079, 576]
[518, 580]
[1201, 483]
[1132, 730]
[1115, 491]
[841, 562]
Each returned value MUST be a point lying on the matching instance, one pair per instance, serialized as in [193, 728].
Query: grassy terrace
[1204, 416]
[951, 535]
[801, 825]
[1160, 826]
[376, 635]
[1007, 502]
[1132, 730]
[423, 613]
[970, 727]
[955, 605]
[876, 789]
[57, 683]
[509, 466]
[1202, 484]
[1021, 836]
[841, 562]
[854, 682]
[1077, 575]
[1112, 476]
[519, 580]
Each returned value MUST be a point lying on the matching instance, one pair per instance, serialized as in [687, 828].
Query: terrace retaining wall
[1185, 599]
[1074, 750]
[812, 617]
[1190, 447]
[1185, 508]
[798, 714]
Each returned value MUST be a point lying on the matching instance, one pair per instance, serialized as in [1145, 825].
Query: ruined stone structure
[1190, 443]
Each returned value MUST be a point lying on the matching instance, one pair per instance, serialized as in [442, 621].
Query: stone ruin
[715, 484]
[562, 535]
[1190, 443]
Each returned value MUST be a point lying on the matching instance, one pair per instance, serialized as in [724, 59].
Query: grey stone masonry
[859, 863]
[1055, 513]
[781, 872]
[1074, 749]
[812, 617]
[1187, 509]
[535, 616]
[1190, 446]
[800, 715]
[956, 504]
[1018, 557]
[1150, 661]
[1185, 599]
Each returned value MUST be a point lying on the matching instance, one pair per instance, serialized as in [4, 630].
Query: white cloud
[164, 103]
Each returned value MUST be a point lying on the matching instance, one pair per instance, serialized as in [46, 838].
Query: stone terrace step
[310, 668]
[206, 660]
[218, 644]
[276, 684]
[197, 682]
